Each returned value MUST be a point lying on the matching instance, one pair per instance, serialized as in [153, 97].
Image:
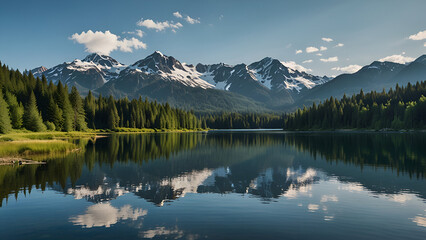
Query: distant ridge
[265, 84]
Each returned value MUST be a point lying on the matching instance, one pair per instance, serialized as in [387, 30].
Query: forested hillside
[38, 105]
[243, 121]
[399, 108]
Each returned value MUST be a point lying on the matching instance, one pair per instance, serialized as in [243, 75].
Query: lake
[223, 185]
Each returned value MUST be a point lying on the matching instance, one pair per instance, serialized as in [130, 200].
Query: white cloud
[177, 14]
[106, 42]
[191, 20]
[105, 215]
[138, 33]
[319, 54]
[307, 61]
[397, 58]
[158, 26]
[349, 69]
[295, 66]
[418, 36]
[340, 45]
[330, 59]
[176, 25]
[299, 51]
[311, 49]
[220, 17]
[327, 39]
[322, 48]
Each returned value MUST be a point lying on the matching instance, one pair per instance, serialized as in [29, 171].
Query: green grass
[21, 135]
[34, 147]
[23, 143]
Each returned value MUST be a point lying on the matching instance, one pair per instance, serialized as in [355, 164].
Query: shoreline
[24, 147]
[27, 147]
[7, 161]
[357, 131]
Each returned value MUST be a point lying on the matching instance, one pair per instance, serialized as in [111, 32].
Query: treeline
[243, 121]
[402, 108]
[38, 105]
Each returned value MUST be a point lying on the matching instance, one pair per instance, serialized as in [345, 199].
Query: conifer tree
[79, 122]
[62, 99]
[5, 125]
[54, 114]
[113, 118]
[32, 118]
[16, 110]
[90, 110]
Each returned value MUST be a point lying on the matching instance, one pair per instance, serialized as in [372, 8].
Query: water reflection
[320, 175]
[105, 215]
[264, 165]
[420, 221]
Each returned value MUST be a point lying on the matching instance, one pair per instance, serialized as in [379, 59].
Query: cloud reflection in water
[105, 215]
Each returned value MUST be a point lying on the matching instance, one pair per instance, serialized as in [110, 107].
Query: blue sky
[38, 33]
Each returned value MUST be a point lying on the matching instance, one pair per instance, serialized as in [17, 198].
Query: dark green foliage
[79, 121]
[113, 118]
[68, 112]
[32, 118]
[62, 99]
[16, 110]
[402, 108]
[5, 125]
[54, 114]
[242, 121]
[90, 110]
[50, 126]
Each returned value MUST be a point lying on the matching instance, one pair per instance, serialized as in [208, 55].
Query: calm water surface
[223, 185]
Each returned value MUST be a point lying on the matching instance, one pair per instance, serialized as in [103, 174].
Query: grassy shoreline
[21, 145]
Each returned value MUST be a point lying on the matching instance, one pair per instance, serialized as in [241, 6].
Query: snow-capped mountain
[276, 75]
[38, 71]
[269, 72]
[268, 82]
[254, 80]
[87, 74]
[169, 69]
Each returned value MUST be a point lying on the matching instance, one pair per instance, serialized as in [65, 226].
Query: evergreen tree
[54, 114]
[113, 118]
[79, 122]
[32, 118]
[396, 109]
[90, 110]
[62, 99]
[16, 110]
[5, 125]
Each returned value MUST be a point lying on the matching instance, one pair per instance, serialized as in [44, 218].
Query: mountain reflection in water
[270, 167]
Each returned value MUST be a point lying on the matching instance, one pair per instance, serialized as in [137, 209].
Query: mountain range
[268, 84]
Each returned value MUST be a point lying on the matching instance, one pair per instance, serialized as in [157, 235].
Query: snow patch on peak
[160, 53]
